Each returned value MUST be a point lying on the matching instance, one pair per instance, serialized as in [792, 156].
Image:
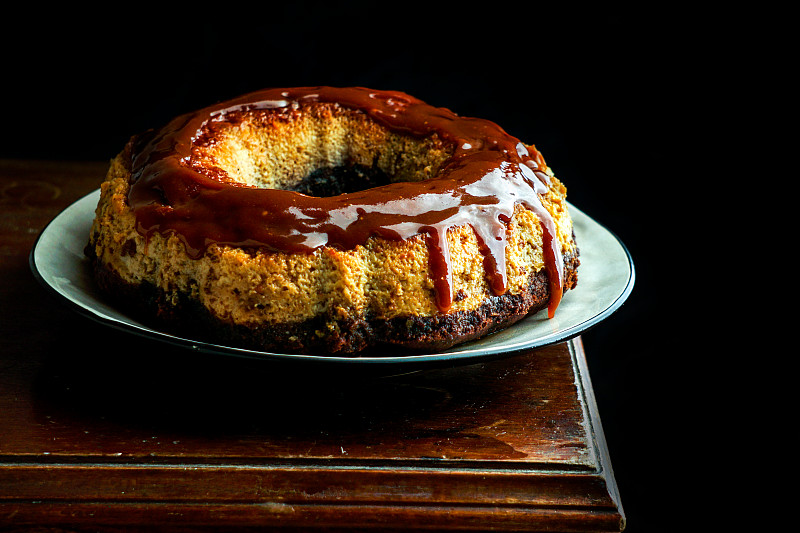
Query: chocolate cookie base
[341, 337]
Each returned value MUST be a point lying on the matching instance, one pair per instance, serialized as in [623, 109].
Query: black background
[616, 100]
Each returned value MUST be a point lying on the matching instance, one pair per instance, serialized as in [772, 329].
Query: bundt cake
[332, 221]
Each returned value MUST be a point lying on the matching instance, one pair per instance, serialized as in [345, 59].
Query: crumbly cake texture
[376, 296]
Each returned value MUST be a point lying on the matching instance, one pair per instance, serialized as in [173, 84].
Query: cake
[334, 221]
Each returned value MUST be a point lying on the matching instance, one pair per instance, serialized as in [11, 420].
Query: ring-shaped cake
[332, 220]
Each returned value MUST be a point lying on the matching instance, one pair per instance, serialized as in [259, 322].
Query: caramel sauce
[489, 173]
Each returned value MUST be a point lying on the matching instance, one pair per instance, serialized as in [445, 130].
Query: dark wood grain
[101, 429]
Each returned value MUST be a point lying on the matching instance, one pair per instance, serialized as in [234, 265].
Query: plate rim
[466, 356]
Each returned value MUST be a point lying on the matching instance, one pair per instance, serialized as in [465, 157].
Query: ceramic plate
[605, 279]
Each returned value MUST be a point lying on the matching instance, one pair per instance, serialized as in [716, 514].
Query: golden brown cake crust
[329, 298]
[363, 336]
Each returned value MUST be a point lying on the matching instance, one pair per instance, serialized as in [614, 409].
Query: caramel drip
[489, 173]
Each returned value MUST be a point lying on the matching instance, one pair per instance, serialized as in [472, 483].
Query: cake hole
[325, 182]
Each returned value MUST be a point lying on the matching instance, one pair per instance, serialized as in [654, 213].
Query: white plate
[605, 279]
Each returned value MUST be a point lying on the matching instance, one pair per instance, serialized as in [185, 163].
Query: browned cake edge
[409, 334]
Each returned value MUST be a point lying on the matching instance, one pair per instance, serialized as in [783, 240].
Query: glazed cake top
[487, 175]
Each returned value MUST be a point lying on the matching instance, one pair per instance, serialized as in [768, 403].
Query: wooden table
[100, 429]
